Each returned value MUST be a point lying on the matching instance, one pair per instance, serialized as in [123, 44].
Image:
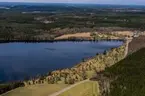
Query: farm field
[36, 90]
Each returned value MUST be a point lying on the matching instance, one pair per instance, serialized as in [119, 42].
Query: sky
[126, 2]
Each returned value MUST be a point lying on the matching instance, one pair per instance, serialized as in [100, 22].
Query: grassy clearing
[129, 74]
[89, 88]
[36, 90]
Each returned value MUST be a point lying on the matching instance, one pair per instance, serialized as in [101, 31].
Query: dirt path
[128, 40]
[67, 88]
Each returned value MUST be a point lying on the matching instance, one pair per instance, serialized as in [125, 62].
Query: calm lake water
[19, 60]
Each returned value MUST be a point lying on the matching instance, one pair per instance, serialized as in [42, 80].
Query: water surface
[19, 60]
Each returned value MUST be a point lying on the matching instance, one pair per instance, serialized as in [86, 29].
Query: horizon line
[73, 3]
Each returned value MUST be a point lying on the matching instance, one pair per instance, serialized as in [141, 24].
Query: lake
[20, 60]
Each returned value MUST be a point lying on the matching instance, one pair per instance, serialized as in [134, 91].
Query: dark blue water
[19, 60]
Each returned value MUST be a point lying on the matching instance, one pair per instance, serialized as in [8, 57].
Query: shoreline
[81, 68]
[53, 41]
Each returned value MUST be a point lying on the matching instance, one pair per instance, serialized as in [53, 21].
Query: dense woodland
[127, 76]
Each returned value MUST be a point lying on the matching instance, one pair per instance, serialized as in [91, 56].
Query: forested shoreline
[82, 71]
[53, 41]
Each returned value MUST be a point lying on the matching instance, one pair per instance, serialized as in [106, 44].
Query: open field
[114, 35]
[89, 88]
[36, 90]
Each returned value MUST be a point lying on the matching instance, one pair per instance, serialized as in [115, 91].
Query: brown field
[136, 44]
[87, 35]
[77, 35]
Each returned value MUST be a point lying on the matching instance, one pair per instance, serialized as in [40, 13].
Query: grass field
[89, 88]
[36, 90]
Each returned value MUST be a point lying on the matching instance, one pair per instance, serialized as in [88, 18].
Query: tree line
[10, 86]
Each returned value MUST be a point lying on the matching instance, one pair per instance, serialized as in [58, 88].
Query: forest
[127, 75]
[46, 21]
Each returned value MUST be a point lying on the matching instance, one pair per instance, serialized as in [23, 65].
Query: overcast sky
[128, 2]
